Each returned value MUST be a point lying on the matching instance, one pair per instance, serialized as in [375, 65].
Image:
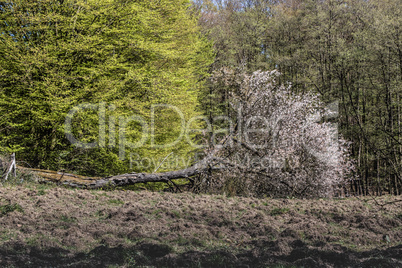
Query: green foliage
[41, 192]
[115, 202]
[5, 209]
[121, 56]
[237, 30]
[65, 218]
[347, 51]
[278, 211]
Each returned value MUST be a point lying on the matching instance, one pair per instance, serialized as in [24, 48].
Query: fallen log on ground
[78, 181]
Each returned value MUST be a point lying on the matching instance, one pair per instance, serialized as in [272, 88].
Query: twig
[61, 175]
[24, 163]
[372, 197]
[162, 162]
[174, 184]
[392, 202]
[383, 205]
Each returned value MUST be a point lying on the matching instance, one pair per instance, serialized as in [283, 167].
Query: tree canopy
[121, 57]
[348, 51]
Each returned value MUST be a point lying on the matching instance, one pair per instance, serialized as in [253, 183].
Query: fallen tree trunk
[78, 181]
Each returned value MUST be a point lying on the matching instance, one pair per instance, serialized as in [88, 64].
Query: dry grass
[60, 227]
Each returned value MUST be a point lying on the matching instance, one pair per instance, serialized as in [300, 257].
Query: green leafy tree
[237, 29]
[122, 56]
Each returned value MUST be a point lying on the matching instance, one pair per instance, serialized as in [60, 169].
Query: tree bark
[78, 181]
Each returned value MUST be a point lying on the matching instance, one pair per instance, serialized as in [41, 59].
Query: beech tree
[123, 57]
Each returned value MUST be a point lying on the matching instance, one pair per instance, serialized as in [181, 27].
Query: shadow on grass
[261, 254]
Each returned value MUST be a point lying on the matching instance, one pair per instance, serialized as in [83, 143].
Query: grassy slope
[47, 226]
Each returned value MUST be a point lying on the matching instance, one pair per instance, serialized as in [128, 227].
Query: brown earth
[47, 226]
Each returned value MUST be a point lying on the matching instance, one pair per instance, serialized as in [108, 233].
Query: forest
[349, 52]
[105, 88]
[200, 133]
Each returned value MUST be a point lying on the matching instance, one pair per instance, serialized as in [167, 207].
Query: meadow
[44, 225]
